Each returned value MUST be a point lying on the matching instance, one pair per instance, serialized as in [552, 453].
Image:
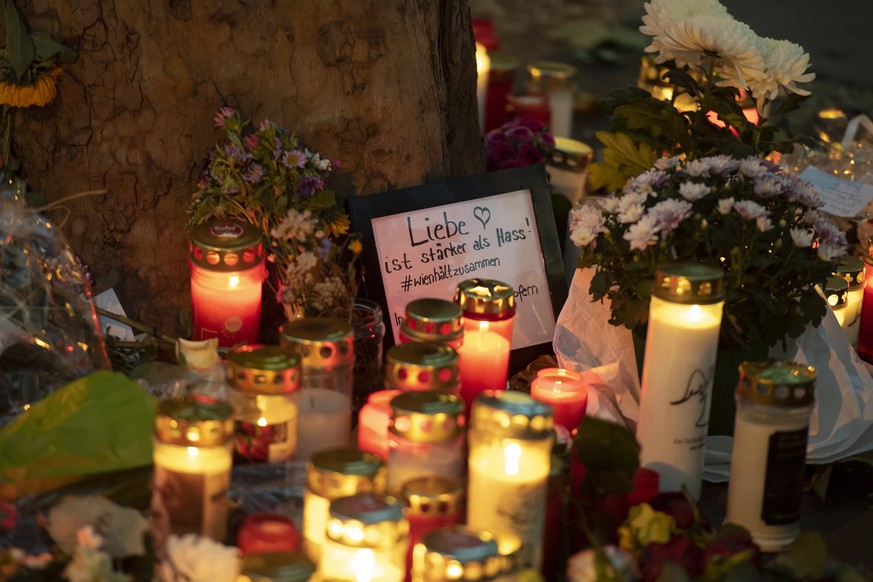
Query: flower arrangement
[263, 175]
[712, 61]
[29, 69]
[757, 222]
[519, 142]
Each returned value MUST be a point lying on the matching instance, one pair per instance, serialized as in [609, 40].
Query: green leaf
[19, 46]
[622, 159]
[321, 199]
[660, 119]
[47, 48]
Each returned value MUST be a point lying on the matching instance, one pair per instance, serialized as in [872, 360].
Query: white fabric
[842, 421]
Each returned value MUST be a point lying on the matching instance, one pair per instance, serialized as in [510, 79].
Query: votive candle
[565, 391]
[373, 422]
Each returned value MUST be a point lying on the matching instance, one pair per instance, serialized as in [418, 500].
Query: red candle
[565, 391]
[373, 423]
[484, 363]
[227, 272]
[865, 333]
[264, 532]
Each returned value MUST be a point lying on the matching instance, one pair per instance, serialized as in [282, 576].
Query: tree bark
[385, 88]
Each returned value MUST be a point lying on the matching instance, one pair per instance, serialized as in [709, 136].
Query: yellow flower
[338, 225]
[40, 92]
[647, 526]
[356, 247]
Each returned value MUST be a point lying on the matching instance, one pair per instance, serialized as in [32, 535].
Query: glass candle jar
[192, 461]
[568, 168]
[267, 532]
[852, 270]
[531, 105]
[836, 292]
[774, 402]
[510, 438]
[369, 334]
[262, 381]
[227, 273]
[489, 312]
[678, 369]
[332, 474]
[555, 80]
[373, 423]
[457, 553]
[426, 437]
[419, 366]
[324, 399]
[565, 391]
[433, 320]
[430, 503]
[276, 567]
[366, 539]
[501, 79]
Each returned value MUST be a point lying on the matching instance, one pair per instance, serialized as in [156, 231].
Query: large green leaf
[622, 159]
[19, 46]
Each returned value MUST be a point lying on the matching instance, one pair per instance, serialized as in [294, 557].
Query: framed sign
[422, 241]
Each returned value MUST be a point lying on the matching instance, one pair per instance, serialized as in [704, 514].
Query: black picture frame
[532, 179]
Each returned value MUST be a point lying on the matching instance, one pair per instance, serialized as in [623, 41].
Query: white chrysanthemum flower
[830, 251]
[763, 223]
[609, 204]
[668, 214]
[586, 223]
[630, 207]
[660, 13]
[752, 167]
[650, 178]
[750, 210]
[694, 39]
[769, 185]
[667, 163]
[193, 558]
[642, 234]
[725, 205]
[785, 65]
[722, 164]
[693, 191]
[802, 237]
[805, 192]
[699, 167]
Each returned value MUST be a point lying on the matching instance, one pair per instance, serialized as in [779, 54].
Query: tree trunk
[385, 88]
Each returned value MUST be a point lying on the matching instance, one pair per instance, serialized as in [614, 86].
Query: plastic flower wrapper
[98, 424]
[49, 331]
[193, 558]
[121, 528]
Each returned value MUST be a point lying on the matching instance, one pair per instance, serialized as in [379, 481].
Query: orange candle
[484, 364]
[565, 391]
[227, 272]
[373, 422]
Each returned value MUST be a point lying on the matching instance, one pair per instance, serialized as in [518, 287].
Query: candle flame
[262, 421]
[695, 314]
[362, 565]
[193, 452]
[233, 282]
[511, 454]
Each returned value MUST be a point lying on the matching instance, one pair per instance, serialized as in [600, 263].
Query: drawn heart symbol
[482, 214]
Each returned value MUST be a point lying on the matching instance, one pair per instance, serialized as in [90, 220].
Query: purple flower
[309, 185]
[529, 154]
[232, 150]
[254, 174]
[223, 115]
[498, 153]
[294, 159]
[495, 136]
[520, 133]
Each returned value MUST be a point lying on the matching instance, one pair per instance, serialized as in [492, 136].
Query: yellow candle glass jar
[332, 474]
[262, 381]
[367, 538]
[192, 457]
[510, 439]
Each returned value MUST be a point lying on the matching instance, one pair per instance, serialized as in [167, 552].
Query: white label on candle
[193, 502]
[324, 421]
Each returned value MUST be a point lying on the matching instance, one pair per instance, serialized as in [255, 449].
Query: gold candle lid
[689, 283]
[422, 366]
[432, 496]
[852, 270]
[485, 297]
[322, 342]
[334, 473]
[512, 414]
[571, 154]
[433, 320]
[459, 552]
[777, 382]
[194, 421]
[551, 75]
[366, 520]
[226, 245]
[263, 369]
[836, 292]
[430, 416]
[277, 567]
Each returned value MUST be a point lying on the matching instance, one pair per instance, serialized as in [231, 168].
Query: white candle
[358, 565]
[323, 421]
[483, 68]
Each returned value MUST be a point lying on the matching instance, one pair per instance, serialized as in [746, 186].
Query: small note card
[841, 197]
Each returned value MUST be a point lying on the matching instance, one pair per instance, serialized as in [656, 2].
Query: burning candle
[227, 272]
[556, 80]
[510, 441]
[366, 540]
[865, 332]
[565, 391]
[332, 474]
[489, 312]
[483, 66]
[681, 345]
[852, 270]
[836, 292]
[192, 458]
[373, 423]
[431, 503]
[458, 553]
[265, 532]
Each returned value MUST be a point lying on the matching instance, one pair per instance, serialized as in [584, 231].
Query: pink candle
[565, 391]
[484, 363]
[373, 421]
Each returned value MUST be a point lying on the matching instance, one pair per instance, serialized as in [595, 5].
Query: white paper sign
[426, 253]
[841, 197]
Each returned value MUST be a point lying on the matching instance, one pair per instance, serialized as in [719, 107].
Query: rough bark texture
[386, 88]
